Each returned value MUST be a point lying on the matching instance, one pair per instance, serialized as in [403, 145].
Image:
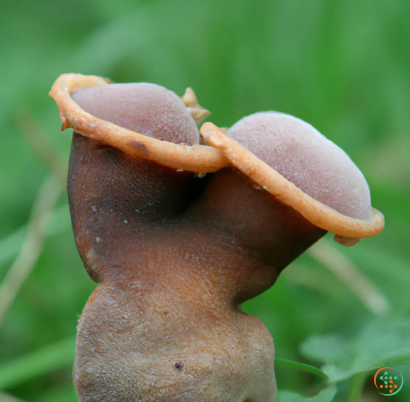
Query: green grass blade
[42, 361]
[302, 367]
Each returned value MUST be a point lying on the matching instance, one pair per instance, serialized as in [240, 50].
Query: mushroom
[176, 251]
[302, 169]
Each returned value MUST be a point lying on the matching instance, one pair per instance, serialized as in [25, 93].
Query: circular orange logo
[388, 381]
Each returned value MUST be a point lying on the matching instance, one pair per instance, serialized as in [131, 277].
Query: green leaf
[302, 366]
[60, 394]
[325, 395]
[35, 364]
[356, 387]
[381, 343]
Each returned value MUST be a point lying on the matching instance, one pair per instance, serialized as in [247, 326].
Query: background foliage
[342, 65]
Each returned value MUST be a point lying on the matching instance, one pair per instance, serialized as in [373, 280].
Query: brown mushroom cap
[308, 159]
[328, 211]
[348, 230]
[196, 158]
[146, 108]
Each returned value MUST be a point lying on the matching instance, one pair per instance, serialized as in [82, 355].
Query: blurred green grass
[343, 66]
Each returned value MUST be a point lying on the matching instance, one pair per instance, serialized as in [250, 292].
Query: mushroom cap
[146, 108]
[348, 230]
[196, 158]
[304, 156]
[340, 206]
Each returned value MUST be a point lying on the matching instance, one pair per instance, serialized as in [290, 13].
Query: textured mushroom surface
[308, 159]
[175, 253]
[165, 322]
[146, 108]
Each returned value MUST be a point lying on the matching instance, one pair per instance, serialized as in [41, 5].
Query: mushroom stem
[171, 283]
